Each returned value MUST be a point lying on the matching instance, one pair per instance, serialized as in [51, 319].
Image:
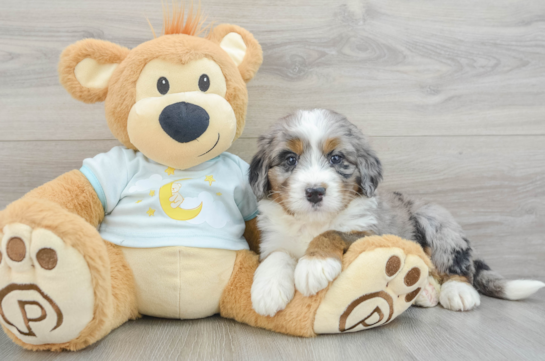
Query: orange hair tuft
[175, 20]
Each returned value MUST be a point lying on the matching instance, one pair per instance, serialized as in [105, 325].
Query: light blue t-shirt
[151, 205]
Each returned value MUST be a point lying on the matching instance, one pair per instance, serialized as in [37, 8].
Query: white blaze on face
[313, 168]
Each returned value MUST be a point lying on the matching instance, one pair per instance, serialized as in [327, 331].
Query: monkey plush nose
[315, 195]
[184, 122]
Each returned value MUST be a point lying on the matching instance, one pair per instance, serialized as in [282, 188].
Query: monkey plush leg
[381, 276]
[73, 192]
[61, 286]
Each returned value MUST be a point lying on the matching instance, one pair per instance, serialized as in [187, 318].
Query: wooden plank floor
[451, 93]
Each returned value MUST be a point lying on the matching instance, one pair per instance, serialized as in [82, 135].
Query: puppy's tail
[493, 284]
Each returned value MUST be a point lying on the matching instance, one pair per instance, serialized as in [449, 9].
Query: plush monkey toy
[163, 224]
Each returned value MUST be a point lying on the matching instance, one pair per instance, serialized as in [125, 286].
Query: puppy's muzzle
[315, 195]
[184, 122]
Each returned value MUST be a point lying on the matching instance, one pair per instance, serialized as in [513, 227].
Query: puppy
[315, 172]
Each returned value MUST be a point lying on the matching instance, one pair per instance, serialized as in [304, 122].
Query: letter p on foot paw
[374, 289]
[46, 294]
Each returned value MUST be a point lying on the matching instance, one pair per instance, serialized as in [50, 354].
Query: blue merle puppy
[316, 172]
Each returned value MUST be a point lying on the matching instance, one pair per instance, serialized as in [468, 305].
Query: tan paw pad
[15, 246]
[16, 249]
[47, 258]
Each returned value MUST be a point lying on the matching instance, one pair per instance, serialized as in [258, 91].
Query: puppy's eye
[204, 83]
[291, 160]
[336, 159]
[162, 85]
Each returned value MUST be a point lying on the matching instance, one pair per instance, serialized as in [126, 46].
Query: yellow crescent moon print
[179, 214]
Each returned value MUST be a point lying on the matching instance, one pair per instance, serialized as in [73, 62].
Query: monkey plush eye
[291, 160]
[204, 82]
[162, 85]
[336, 159]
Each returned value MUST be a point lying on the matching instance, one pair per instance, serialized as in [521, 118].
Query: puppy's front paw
[273, 285]
[459, 296]
[314, 274]
[271, 296]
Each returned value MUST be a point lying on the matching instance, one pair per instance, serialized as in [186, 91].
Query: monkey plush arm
[73, 192]
[252, 234]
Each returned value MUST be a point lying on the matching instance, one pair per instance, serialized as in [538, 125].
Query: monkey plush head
[180, 99]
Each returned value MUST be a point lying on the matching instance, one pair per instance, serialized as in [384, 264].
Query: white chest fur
[292, 234]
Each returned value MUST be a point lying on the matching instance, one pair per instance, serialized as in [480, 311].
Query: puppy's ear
[241, 46]
[370, 170]
[259, 172]
[85, 68]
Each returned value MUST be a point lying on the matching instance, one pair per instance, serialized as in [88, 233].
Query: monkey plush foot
[46, 291]
[381, 278]
[55, 278]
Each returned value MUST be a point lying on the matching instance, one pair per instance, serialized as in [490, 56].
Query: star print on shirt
[170, 171]
[209, 179]
[151, 212]
[152, 193]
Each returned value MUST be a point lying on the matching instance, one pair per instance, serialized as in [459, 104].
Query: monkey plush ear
[85, 68]
[241, 46]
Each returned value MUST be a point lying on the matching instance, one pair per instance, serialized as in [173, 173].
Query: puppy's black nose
[184, 122]
[315, 195]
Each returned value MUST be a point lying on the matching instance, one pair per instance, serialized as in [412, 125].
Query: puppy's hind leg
[429, 297]
[451, 254]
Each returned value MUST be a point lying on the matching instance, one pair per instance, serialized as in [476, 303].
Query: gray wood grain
[498, 330]
[476, 68]
[451, 93]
